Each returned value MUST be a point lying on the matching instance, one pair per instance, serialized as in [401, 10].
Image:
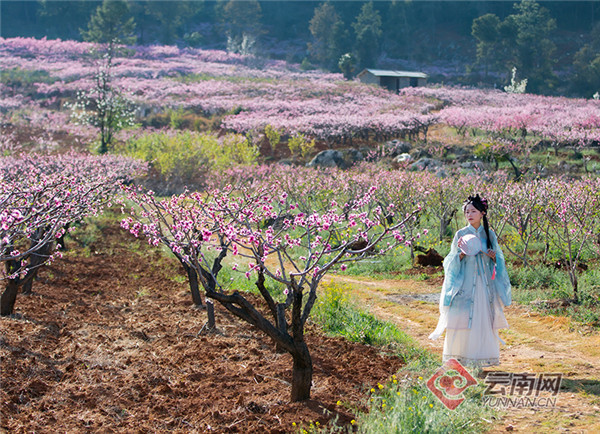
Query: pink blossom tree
[40, 196]
[270, 236]
[572, 220]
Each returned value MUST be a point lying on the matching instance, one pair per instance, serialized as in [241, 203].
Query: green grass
[340, 316]
[535, 283]
[403, 403]
[381, 267]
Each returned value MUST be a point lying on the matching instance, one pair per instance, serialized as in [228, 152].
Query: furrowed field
[194, 240]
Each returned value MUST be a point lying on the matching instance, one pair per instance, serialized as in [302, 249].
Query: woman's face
[473, 215]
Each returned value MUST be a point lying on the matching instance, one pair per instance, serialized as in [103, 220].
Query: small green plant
[300, 145]
[184, 158]
[273, 136]
[408, 406]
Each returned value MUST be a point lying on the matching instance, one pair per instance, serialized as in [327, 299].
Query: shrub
[180, 159]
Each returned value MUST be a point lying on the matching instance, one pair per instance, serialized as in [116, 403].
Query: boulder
[328, 158]
[352, 155]
[403, 158]
[474, 165]
[425, 163]
[394, 148]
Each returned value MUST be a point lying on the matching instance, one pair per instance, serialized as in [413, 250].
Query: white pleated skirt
[479, 345]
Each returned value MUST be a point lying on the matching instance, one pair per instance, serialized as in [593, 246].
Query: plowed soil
[110, 342]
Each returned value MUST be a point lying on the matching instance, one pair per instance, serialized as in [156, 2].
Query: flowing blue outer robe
[460, 276]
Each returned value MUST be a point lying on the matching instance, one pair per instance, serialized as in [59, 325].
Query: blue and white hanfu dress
[472, 301]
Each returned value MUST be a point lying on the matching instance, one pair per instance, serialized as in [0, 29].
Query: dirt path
[534, 344]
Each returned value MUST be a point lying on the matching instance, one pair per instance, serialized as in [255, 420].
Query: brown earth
[109, 341]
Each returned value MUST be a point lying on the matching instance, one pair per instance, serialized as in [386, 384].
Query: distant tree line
[490, 37]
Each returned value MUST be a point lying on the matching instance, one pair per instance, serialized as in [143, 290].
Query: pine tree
[110, 25]
[367, 28]
[324, 26]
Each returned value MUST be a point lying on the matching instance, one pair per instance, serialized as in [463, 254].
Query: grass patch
[340, 316]
[537, 283]
[381, 267]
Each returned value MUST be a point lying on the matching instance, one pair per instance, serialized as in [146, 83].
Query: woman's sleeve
[453, 278]
[453, 273]
[501, 281]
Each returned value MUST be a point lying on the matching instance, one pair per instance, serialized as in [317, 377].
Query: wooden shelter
[393, 80]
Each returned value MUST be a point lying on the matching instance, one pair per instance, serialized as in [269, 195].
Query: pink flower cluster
[41, 195]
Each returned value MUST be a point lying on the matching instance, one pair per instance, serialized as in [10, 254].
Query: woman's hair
[480, 204]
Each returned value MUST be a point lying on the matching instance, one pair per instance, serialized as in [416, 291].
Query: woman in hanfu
[475, 290]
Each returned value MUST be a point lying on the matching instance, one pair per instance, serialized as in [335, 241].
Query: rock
[564, 167]
[476, 165]
[394, 148]
[403, 158]
[353, 155]
[420, 153]
[441, 173]
[288, 162]
[328, 158]
[425, 163]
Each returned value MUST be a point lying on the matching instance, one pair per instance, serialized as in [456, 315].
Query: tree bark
[210, 313]
[574, 282]
[9, 296]
[35, 261]
[193, 279]
[281, 325]
[302, 371]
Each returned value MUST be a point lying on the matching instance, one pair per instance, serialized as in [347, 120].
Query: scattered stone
[565, 167]
[402, 158]
[475, 165]
[328, 158]
[509, 428]
[394, 148]
[425, 163]
[420, 153]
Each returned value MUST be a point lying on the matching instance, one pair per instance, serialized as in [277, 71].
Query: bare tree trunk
[193, 279]
[9, 296]
[302, 371]
[574, 282]
[210, 313]
[281, 325]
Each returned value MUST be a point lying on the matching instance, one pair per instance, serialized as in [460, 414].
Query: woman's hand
[492, 254]
[461, 243]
